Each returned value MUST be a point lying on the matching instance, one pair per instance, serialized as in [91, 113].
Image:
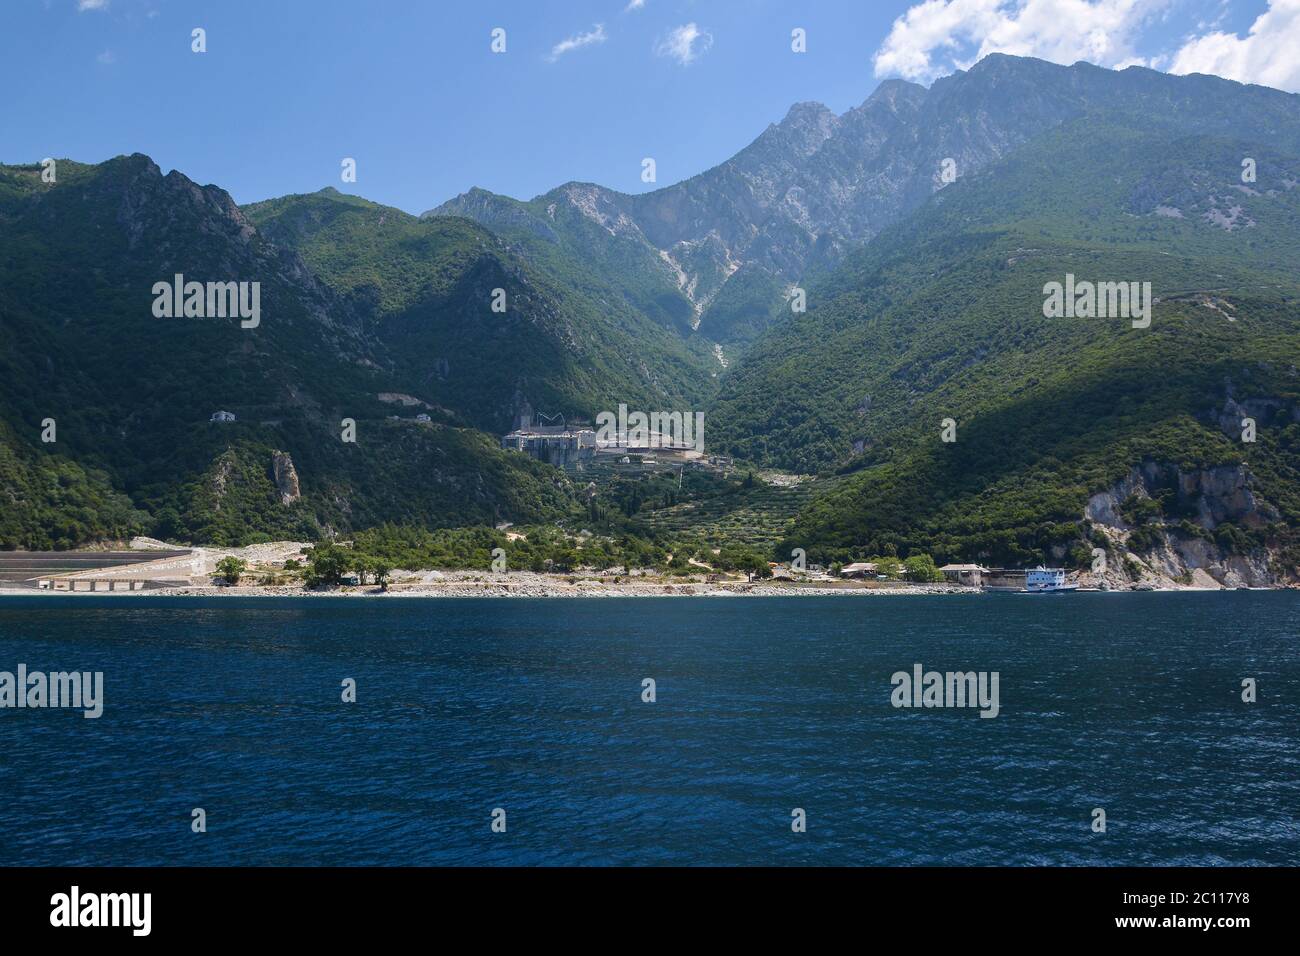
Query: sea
[1130, 728]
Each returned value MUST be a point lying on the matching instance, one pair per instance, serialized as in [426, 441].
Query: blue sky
[584, 91]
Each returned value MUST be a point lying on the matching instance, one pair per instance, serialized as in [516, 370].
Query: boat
[1043, 580]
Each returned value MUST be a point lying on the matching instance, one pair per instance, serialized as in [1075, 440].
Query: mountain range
[940, 408]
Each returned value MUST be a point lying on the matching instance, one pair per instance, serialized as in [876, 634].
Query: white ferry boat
[1043, 580]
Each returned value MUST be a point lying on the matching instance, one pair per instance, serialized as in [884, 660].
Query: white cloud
[84, 5]
[1269, 54]
[595, 35]
[634, 5]
[681, 44]
[936, 37]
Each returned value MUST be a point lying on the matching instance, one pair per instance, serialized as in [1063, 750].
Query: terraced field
[757, 516]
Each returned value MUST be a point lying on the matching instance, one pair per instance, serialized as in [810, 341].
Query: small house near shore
[970, 575]
[859, 569]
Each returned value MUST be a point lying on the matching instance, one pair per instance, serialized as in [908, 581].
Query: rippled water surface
[1127, 702]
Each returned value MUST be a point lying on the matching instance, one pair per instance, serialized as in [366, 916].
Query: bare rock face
[1169, 555]
[1224, 494]
[1103, 507]
[286, 477]
[1207, 565]
[222, 475]
[1262, 409]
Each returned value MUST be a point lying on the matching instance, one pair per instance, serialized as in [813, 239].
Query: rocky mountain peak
[895, 92]
[813, 185]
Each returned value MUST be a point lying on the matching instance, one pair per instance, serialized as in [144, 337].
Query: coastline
[506, 589]
[192, 573]
[563, 589]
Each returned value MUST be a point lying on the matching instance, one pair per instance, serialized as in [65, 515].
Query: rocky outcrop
[1202, 563]
[222, 473]
[286, 477]
[1262, 410]
[1173, 544]
[1208, 496]
[1103, 508]
[1224, 494]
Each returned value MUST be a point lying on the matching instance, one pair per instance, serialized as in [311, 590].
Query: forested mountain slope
[567, 342]
[131, 393]
[941, 317]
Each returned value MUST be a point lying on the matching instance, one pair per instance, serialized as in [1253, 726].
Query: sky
[413, 91]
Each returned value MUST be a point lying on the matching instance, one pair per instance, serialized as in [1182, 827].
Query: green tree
[889, 566]
[231, 568]
[921, 567]
[326, 564]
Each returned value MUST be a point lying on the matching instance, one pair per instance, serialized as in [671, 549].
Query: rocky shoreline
[193, 574]
[499, 587]
[561, 588]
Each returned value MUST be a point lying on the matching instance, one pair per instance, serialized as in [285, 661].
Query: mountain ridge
[811, 187]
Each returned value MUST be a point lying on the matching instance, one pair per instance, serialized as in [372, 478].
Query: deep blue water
[1129, 702]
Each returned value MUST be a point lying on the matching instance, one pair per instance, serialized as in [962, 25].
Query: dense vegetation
[567, 343]
[132, 394]
[543, 548]
[49, 502]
